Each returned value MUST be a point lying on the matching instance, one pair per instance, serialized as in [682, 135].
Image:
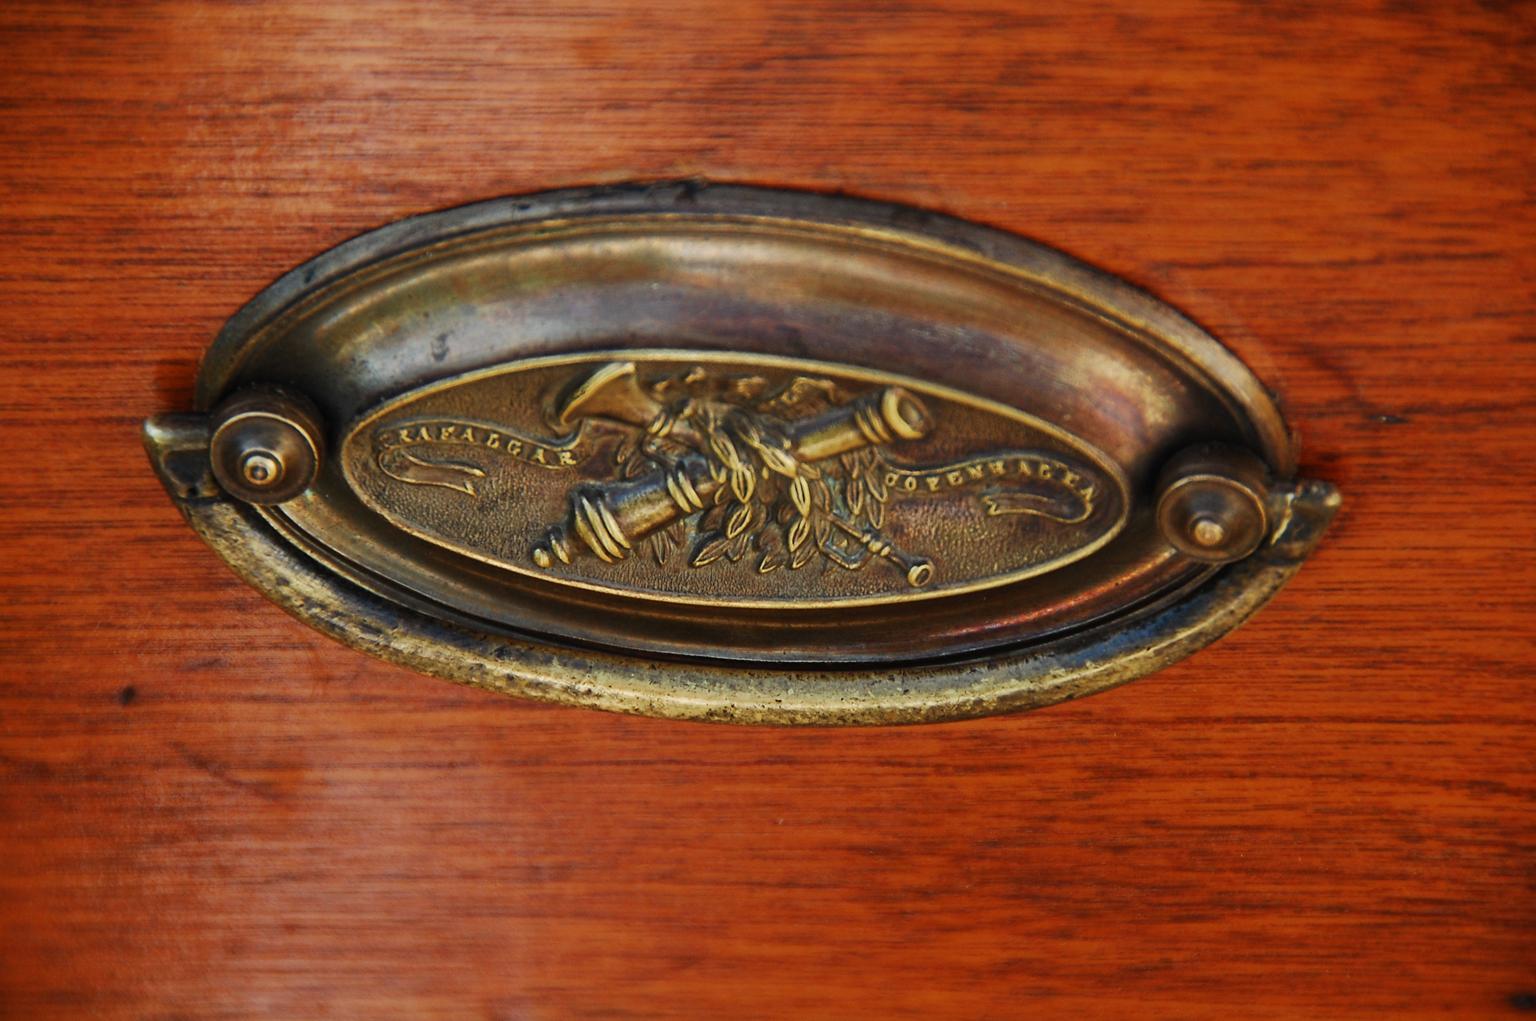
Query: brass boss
[267, 445]
[1211, 502]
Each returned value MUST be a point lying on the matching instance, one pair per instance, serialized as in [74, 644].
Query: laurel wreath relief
[780, 509]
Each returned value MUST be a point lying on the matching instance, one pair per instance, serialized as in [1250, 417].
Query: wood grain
[211, 812]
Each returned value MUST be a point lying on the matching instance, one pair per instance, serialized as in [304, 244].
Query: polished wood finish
[211, 811]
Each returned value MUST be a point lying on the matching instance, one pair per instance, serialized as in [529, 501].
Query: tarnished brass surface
[737, 442]
[267, 446]
[697, 477]
[1213, 503]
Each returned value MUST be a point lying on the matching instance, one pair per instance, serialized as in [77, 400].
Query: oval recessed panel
[733, 453]
[746, 481]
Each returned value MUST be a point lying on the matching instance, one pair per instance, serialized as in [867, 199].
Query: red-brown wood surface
[210, 811]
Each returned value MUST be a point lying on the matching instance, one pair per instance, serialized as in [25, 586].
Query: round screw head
[1207, 531]
[261, 468]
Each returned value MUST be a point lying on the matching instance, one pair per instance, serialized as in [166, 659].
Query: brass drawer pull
[735, 454]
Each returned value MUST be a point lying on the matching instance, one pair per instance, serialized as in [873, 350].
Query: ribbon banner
[1016, 482]
[401, 455]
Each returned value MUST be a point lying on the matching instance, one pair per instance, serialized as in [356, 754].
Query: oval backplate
[707, 439]
[733, 480]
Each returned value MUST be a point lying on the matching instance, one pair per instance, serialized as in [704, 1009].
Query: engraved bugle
[918, 570]
[612, 392]
[610, 518]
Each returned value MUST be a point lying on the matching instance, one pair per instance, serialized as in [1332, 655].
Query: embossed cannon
[611, 518]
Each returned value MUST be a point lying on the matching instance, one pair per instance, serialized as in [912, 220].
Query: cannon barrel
[610, 518]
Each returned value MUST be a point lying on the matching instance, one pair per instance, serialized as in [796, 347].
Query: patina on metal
[733, 480]
[735, 454]
[1213, 502]
[266, 445]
